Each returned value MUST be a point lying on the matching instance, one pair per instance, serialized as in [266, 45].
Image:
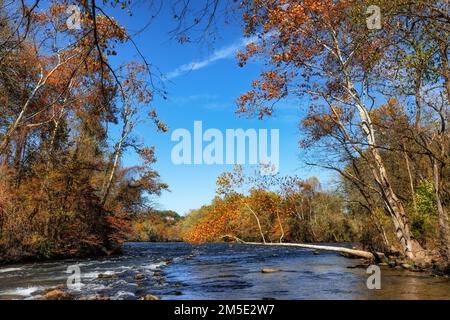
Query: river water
[219, 271]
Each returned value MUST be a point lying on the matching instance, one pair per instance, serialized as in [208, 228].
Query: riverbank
[55, 258]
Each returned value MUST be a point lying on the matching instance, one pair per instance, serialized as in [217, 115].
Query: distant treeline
[257, 208]
[294, 211]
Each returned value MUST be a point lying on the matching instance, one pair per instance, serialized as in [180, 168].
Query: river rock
[406, 266]
[150, 297]
[59, 287]
[95, 297]
[107, 275]
[157, 273]
[139, 276]
[316, 252]
[57, 294]
[269, 270]
[358, 266]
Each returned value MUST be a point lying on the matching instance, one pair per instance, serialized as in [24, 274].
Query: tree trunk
[444, 69]
[411, 181]
[42, 82]
[111, 174]
[444, 232]
[393, 205]
[352, 252]
[281, 226]
[126, 129]
[257, 220]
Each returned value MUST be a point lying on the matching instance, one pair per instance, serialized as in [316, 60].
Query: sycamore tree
[323, 51]
[416, 70]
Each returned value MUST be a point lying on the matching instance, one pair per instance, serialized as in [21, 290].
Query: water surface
[220, 271]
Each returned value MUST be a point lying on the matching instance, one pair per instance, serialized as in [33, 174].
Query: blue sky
[205, 82]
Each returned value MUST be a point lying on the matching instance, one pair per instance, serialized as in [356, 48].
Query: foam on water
[154, 266]
[10, 270]
[23, 292]
[90, 275]
[124, 294]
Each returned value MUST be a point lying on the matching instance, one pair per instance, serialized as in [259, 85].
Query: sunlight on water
[219, 271]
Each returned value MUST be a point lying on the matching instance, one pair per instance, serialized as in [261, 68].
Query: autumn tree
[323, 50]
[417, 34]
[273, 209]
[64, 191]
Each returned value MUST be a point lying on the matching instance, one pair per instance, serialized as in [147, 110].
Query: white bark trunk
[126, 129]
[257, 220]
[393, 204]
[444, 232]
[41, 83]
[352, 252]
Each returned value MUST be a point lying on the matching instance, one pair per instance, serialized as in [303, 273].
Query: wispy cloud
[193, 98]
[220, 54]
[203, 100]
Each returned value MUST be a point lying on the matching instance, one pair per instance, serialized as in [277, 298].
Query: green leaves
[425, 198]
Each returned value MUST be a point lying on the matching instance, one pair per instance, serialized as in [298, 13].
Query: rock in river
[270, 270]
[139, 276]
[406, 266]
[57, 295]
[149, 297]
[107, 275]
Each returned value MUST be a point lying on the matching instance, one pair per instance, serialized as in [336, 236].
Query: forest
[376, 104]
[63, 190]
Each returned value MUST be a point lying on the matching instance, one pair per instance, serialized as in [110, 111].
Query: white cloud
[223, 53]
[203, 100]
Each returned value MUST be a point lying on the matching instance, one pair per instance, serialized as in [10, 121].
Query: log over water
[352, 252]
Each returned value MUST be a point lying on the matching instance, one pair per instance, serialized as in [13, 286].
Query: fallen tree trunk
[352, 252]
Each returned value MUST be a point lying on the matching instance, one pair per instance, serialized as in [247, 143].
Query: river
[219, 271]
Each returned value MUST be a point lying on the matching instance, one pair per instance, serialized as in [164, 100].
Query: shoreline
[100, 253]
[31, 260]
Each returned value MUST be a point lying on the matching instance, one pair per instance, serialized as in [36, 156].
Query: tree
[64, 191]
[323, 50]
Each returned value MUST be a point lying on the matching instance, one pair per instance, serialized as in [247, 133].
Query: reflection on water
[220, 271]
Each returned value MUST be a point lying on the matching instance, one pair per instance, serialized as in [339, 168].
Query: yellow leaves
[272, 86]
[218, 220]
[251, 49]
[109, 28]
[39, 17]
[57, 9]
[292, 37]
